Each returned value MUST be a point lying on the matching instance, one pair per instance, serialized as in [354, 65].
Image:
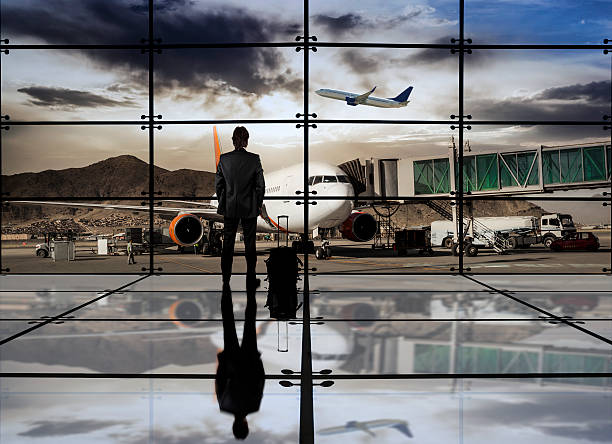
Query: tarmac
[347, 257]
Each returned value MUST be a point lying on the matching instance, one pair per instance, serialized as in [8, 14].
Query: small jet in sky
[365, 99]
[365, 426]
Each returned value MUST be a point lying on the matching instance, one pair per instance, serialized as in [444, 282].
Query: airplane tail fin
[217, 147]
[404, 95]
[403, 428]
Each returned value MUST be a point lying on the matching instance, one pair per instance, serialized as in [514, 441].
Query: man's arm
[219, 181]
[260, 185]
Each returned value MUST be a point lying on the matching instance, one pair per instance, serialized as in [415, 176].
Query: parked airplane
[365, 426]
[365, 99]
[186, 229]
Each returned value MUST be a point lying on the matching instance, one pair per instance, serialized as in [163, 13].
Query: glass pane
[508, 173]
[514, 85]
[138, 410]
[75, 237]
[74, 85]
[536, 22]
[513, 236]
[513, 344]
[189, 203]
[75, 161]
[594, 163]
[472, 410]
[233, 21]
[222, 83]
[571, 166]
[422, 84]
[388, 22]
[66, 22]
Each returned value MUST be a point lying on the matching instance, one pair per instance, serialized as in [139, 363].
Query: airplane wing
[363, 97]
[180, 334]
[334, 430]
[205, 213]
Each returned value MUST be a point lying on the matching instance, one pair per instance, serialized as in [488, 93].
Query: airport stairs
[481, 231]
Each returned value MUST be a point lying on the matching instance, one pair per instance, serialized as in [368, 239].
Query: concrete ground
[348, 257]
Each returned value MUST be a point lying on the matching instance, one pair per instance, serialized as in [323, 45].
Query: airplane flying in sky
[186, 229]
[365, 426]
[365, 98]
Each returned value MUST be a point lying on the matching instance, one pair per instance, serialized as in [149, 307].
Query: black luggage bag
[283, 268]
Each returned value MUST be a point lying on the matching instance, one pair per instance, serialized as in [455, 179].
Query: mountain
[121, 176]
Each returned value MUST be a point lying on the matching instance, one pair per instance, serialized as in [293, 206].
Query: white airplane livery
[353, 99]
[187, 229]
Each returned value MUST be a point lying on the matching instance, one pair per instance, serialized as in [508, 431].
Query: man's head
[240, 137]
[240, 427]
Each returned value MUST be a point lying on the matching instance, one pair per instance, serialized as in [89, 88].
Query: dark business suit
[240, 377]
[240, 188]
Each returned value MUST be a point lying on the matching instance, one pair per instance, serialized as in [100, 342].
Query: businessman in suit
[240, 187]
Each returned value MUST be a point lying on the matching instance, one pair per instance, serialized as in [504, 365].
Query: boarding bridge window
[329, 179]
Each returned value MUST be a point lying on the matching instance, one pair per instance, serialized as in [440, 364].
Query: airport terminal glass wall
[442, 170]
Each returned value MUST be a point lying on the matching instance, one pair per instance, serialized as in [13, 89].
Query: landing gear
[298, 246]
[324, 251]
[470, 249]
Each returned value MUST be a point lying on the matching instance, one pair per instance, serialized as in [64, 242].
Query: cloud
[577, 102]
[592, 431]
[350, 23]
[244, 71]
[595, 92]
[42, 429]
[342, 24]
[64, 98]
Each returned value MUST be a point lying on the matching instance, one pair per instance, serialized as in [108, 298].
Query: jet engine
[359, 313]
[186, 230]
[359, 227]
[184, 309]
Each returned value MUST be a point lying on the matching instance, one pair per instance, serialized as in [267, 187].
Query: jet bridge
[530, 170]
[490, 173]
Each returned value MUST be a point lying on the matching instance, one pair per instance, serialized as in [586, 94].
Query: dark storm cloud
[597, 92]
[43, 429]
[576, 102]
[253, 71]
[341, 24]
[69, 98]
[344, 24]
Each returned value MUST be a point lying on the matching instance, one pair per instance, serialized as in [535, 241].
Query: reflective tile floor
[418, 358]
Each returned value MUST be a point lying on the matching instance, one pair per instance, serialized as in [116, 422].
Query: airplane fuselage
[348, 96]
[325, 179]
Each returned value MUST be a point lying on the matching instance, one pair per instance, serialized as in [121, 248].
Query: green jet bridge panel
[529, 170]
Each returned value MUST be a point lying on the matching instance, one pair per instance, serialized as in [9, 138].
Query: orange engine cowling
[186, 230]
[359, 227]
[185, 313]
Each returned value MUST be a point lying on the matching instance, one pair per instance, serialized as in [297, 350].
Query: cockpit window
[317, 179]
[343, 179]
[329, 179]
[311, 180]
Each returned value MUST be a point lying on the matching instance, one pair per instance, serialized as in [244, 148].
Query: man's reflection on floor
[240, 378]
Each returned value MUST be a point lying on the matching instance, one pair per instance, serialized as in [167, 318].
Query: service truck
[515, 231]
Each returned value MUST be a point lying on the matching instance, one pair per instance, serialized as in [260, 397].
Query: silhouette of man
[240, 187]
[240, 378]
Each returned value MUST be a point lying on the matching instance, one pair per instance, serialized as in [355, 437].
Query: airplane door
[289, 185]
